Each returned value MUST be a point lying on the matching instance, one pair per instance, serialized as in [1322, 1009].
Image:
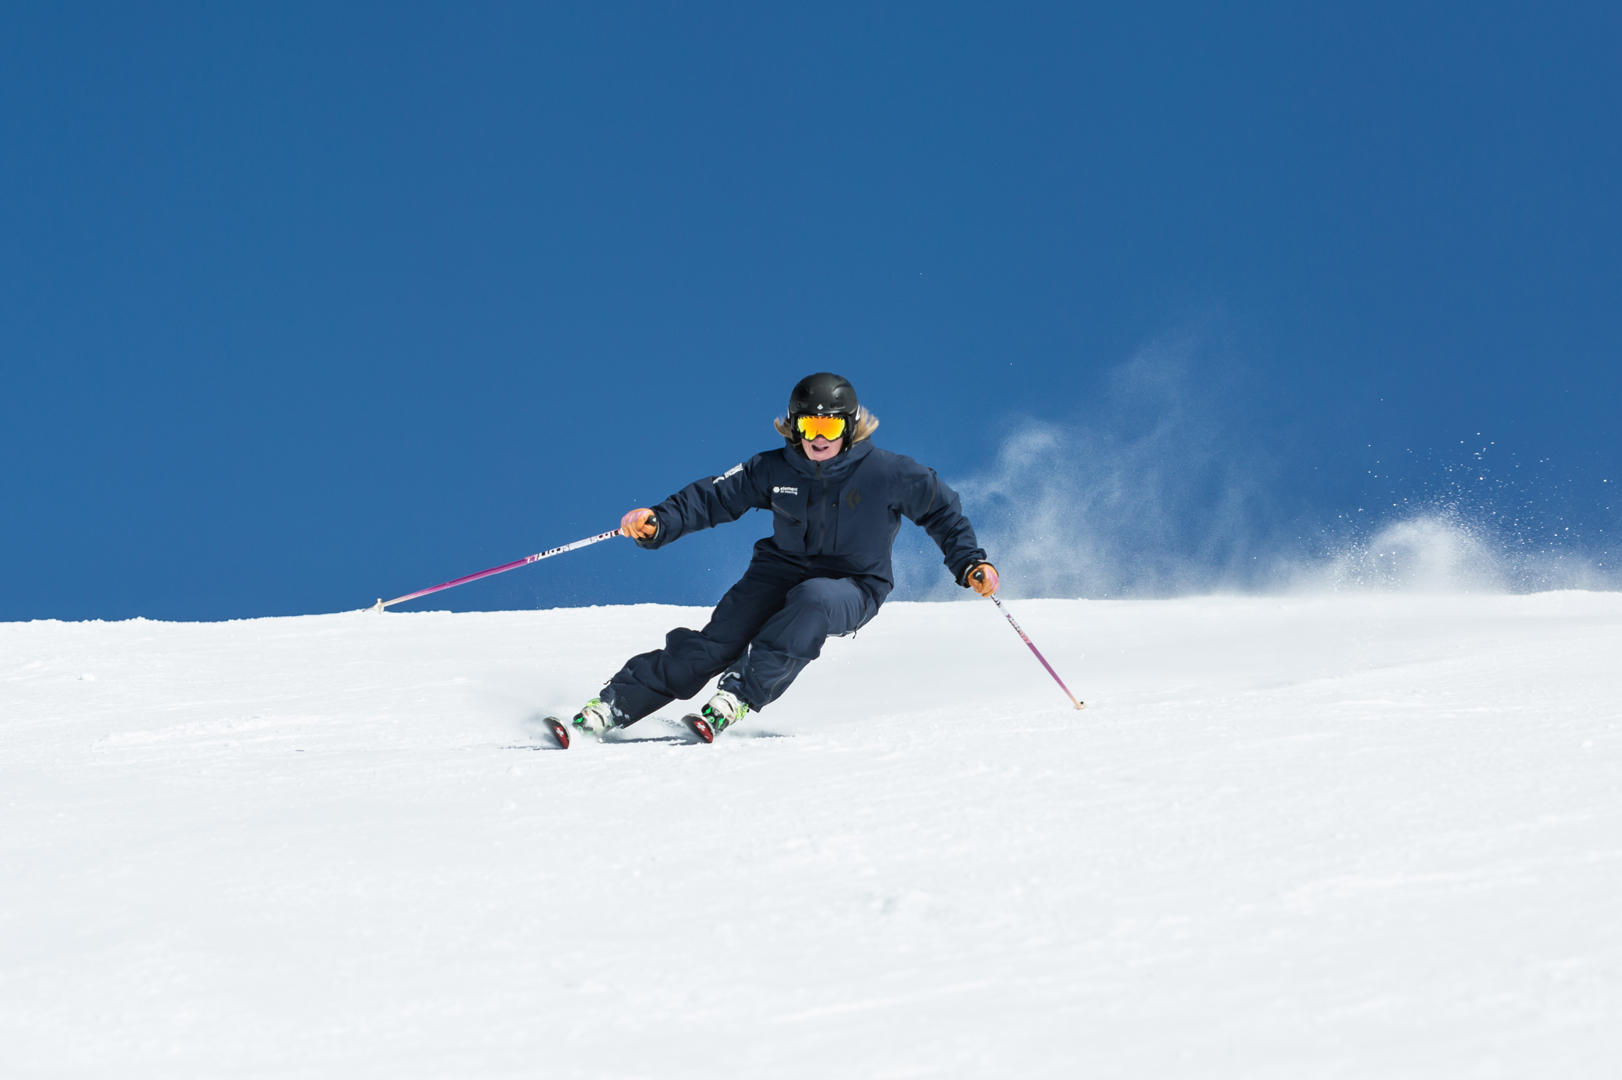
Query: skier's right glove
[639, 525]
[982, 579]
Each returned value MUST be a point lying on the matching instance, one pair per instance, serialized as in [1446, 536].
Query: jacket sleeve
[711, 501]
[929, 502]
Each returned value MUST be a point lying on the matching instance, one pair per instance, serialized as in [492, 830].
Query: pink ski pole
[1078, 704]
[514, 565]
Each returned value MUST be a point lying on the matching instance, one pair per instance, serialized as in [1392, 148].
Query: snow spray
[514, 565]
[1009, 616]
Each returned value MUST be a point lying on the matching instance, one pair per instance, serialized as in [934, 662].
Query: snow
[1310, 836]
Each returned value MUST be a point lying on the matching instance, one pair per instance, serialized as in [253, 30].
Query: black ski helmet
[823, 394]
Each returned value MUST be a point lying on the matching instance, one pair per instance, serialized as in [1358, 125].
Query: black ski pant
[763, 632]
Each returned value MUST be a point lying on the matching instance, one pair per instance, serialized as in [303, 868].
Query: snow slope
[1372, 835]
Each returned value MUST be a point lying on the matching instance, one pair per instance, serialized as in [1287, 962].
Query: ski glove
[639, 525]
[982, 578]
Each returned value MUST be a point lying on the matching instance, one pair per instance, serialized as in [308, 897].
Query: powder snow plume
[1445, 550]
[1152, 497]
[1158, 493]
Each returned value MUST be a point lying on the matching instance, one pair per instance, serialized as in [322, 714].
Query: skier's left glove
[982, 578]
[640, 524]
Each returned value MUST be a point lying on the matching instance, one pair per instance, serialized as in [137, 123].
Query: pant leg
[651, 680]
[793, 637]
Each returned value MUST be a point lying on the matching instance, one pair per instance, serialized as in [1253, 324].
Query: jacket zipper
[822, 511]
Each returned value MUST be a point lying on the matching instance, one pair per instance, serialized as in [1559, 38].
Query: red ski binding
[700, 727]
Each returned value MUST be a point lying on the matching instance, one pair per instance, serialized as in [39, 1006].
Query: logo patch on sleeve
[734, 471]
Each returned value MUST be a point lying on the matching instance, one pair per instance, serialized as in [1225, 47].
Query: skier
[836, 502]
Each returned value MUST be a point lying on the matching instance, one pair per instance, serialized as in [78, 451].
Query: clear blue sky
[304, 304]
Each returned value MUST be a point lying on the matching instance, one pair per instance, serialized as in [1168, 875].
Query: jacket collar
[837, 469]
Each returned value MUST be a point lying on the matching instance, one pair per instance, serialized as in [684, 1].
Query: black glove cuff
[969, 569]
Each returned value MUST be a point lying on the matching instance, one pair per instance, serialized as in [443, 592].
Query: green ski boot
[724, 710]
[594, 716]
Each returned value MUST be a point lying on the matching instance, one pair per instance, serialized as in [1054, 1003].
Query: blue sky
[308, 304]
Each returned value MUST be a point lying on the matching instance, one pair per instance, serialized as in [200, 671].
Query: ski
[700, 728]
[560, 731]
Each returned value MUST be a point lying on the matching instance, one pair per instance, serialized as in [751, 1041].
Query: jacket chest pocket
[861, 522]
[788, 517]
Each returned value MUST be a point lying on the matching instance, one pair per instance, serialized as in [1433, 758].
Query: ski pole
[514, 565]
[1009, 616]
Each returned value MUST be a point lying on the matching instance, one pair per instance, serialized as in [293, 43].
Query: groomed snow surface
[1341, 836]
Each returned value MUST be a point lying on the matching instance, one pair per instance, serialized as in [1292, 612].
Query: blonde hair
[866, 424]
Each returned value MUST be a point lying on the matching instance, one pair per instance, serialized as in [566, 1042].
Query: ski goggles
[827, 427]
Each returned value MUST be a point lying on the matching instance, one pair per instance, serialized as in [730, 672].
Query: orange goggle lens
[828, 427]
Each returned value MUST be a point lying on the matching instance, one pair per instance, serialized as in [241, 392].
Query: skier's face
[819, 448]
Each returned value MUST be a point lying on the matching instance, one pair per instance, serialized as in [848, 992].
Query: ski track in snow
[1339, 836]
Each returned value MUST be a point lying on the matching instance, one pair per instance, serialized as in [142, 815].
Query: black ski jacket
[838, 518]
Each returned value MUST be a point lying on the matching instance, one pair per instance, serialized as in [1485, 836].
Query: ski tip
[560, 731]
[700, 727]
